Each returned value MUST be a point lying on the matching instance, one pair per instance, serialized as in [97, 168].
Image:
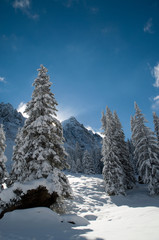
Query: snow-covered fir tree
[103, 121]
[123, 153]
[132, 158]
[156, 125]
[87, 163]
[146, 151]
[78, 158]
[112, 171]
[3, 159]
[96, 158]
[19, 167]
[41, 153]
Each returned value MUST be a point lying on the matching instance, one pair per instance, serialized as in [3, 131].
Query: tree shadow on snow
[75, 226]
[136, 197]
[73, 233]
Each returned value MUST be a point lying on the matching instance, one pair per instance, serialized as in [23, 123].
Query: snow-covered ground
[96, 216]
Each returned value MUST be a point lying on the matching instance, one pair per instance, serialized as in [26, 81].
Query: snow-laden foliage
[156, 125]
[56, 182]
[87, 163]
[19, 166]
[78, 158]
[131, 155]
[3, 159]
[123, 154]
[39, 144]
[146, 151]
[113, 173]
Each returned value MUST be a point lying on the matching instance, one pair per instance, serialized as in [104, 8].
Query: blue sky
[97, 52]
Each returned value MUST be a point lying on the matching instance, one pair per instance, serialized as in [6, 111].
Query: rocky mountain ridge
[78, 139]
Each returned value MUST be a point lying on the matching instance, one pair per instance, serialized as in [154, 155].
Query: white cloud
[156, 98]
[22, 4]
[155, 73]
[64, 114]
[155, 106]
[148, 26]
[21, 108]
[2, 79]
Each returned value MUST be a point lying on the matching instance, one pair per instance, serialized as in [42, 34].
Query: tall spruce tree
[41, 153]
[131, 155]
[87, 163]
[78, 158]
[3, 159]
[156, 125]
[146, 151]
[112, 171]
[123, 153]
[19, 168]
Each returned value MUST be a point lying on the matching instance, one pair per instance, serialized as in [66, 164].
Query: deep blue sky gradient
[96, 51]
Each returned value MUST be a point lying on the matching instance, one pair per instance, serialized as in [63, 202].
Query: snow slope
[96, 216]
[134, 217]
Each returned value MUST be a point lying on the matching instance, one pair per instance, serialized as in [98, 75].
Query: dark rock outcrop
[39, 197]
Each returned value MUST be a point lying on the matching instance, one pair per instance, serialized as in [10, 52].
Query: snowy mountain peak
[71, 121]
[9, 114]
[75, 132]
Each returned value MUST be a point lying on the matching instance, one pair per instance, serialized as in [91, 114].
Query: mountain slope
[11, 120]
[75, 133]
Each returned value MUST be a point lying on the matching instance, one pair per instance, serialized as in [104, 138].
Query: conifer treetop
[43, 102]
[42, 148]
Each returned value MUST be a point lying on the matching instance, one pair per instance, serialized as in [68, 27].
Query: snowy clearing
[96, 216]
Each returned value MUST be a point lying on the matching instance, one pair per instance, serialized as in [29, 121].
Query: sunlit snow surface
[96, 216]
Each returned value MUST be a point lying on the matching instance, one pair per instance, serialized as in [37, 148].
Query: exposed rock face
[11, 120]
[39, 197]
[74, 133]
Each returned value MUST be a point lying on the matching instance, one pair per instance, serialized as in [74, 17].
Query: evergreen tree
[123, 154]
[132, 158]
[96, 158]
[103, 120]
[146, 151]
[112, 171]
[78, 158]
[3, 159]
[73, 165]
[41, 153]
[156, 125]
[88, 163]
[19, 168]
